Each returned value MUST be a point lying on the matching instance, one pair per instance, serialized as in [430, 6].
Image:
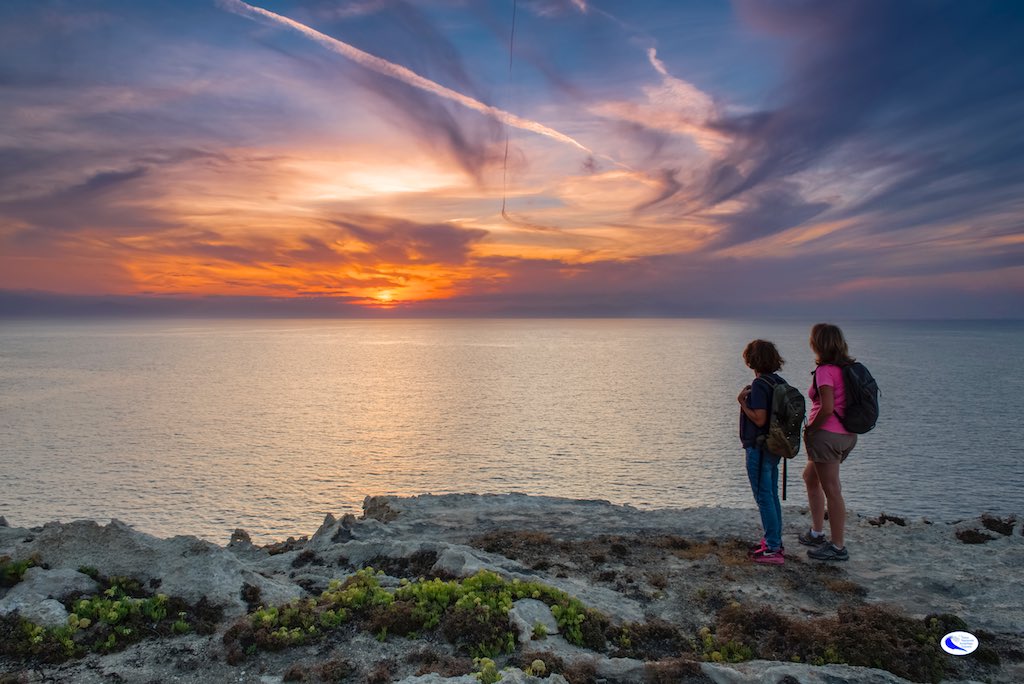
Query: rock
[510, 676]
[514, 676]
[621, 669]
[286, 546]
[35, 597]
[557, 646]
[3, 522]
[240, 538]
[48, 613]
[526, 614]
[55, 583]
[1003, 526]
[767, 672]
[682, 567]
[324, 534]
[379, 508]
[460, 562]
[185, 566]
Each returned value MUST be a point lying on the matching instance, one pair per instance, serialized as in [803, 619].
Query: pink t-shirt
[829, 375]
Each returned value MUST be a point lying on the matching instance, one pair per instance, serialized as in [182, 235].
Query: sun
[385, 297]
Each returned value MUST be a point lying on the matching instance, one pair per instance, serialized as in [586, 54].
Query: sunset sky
[385, 157]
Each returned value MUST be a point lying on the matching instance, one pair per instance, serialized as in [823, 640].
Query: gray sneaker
[808, 539]
[829, 552]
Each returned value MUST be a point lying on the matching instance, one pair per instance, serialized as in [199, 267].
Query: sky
[512, 158]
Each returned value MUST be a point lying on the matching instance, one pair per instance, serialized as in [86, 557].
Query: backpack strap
[814, 382]
[771, 382]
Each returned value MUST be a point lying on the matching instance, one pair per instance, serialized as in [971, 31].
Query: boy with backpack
[771, 412]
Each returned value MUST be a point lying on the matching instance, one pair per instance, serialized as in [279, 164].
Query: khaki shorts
[829, 447]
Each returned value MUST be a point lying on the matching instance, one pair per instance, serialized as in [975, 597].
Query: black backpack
[861, 411]
[785, 418]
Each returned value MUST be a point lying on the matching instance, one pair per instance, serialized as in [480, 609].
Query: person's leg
[770, 492]
[755, 474]
[828, 476]
[815, 497]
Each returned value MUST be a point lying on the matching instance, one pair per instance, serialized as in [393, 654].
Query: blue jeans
[763, 471]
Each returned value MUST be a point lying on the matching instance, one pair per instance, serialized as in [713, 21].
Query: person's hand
[744, 393]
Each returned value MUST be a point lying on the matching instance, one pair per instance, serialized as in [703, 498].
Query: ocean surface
[199, 427]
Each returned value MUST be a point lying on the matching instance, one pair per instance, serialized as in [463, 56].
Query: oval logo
[959, 643]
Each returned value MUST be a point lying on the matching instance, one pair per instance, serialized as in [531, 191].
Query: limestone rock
[182, 566]
[527, 613]
[621, 669]
[55, 583]
[510, 676]
[459, 561]
[519, 677]
[379, 508]
[35, 597]
[681, 568]
[767, 672]
[240, 538]
[48, 612]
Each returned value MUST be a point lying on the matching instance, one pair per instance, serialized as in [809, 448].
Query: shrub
[472, 613]
[122, 614]
[12, 572]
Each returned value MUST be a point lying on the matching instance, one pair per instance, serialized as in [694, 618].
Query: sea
[203, 426]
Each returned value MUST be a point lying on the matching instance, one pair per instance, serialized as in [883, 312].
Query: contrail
[397, 71]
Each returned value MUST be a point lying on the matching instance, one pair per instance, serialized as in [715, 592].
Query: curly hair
[762, 356]
[829, 345]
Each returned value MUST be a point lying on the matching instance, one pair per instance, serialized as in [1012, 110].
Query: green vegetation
[718, 650]
[120, 615]
[471, 613]
[537, 668]
[862, 635]
[89, 571]
[486, 670]
[12, 572]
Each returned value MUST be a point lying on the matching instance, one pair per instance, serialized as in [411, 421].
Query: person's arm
[756, 416]
[826, 394]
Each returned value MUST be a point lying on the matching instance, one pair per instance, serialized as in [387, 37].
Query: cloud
[923, 95]
[183, 155]
[399, 72]
[92, 202]
[766, 211]
[673, 106]
[473, 144]
[555, 8]
[406, 35]
[672, 122]
[395, 241]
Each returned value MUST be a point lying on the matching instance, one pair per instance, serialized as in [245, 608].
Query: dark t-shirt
[760, 397]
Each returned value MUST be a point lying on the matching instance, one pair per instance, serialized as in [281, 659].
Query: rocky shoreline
[596, 592]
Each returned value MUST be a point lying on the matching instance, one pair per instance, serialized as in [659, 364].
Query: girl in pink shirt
[828, 444]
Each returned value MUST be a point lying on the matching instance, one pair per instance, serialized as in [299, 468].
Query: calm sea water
[200, 427]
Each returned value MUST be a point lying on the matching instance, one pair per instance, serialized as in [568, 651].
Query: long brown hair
[829, 345]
